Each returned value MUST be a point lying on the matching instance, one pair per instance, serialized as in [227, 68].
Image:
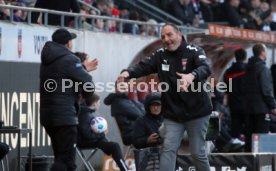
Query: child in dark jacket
[146, 128]
[88, 139]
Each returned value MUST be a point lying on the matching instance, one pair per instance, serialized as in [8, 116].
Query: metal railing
[77, 19]
[163, 14]
[153, 11]
[98, 12]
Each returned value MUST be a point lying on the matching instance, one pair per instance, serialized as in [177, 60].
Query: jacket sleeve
[202, 65]
[266, 88]
[139, 137]
[78, 74]
[144, 67]
[128, 109]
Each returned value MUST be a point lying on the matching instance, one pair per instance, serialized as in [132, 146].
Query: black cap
[154, 97]
[62, 36]
[156, 101]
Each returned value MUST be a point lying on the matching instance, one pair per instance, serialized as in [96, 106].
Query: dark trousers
[237, 123]
[255, 123]
[64, 140]
[109, 148]
[113, 149]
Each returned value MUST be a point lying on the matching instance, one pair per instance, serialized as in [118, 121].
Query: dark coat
[184, 13]
[258, 87]
[176, 105]
[125, 112]
[59, 108]
[231, 15]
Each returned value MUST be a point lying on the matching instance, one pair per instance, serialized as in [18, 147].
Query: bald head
[259, 50]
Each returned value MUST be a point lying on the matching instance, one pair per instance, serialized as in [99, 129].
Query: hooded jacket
[125, 112]
[147, 124]
[258, 87]
[176, 105]
[59, 106]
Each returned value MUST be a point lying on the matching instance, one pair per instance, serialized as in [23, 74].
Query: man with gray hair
[179, 65]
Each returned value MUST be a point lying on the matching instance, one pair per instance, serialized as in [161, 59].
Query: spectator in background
[124, 11]
[258, 94]
[102, 5]
[86, 22]
[165, 5]
[125, 111]
[4, 13]
[89, 139]
[273, 15]
[203, 10]
[99, 25]
[146, 128]
[132, 28]
[60, 5]
[264, 6]
[149, 30]
[231, 13]
[90, 2]
[183, 10]
[236, 100]
[265, 10]
[259, 19]
[19, 15]
[114, 12]
[28, 3]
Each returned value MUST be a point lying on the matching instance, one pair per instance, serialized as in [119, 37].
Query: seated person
[146, 128]
[125, 111]
[4, 150]
[88, 139]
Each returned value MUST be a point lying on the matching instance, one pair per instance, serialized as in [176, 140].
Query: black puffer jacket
[59, 64]
[176, 105]
[258, 87]
[125, 112]
[147, 124]
[85, 134]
